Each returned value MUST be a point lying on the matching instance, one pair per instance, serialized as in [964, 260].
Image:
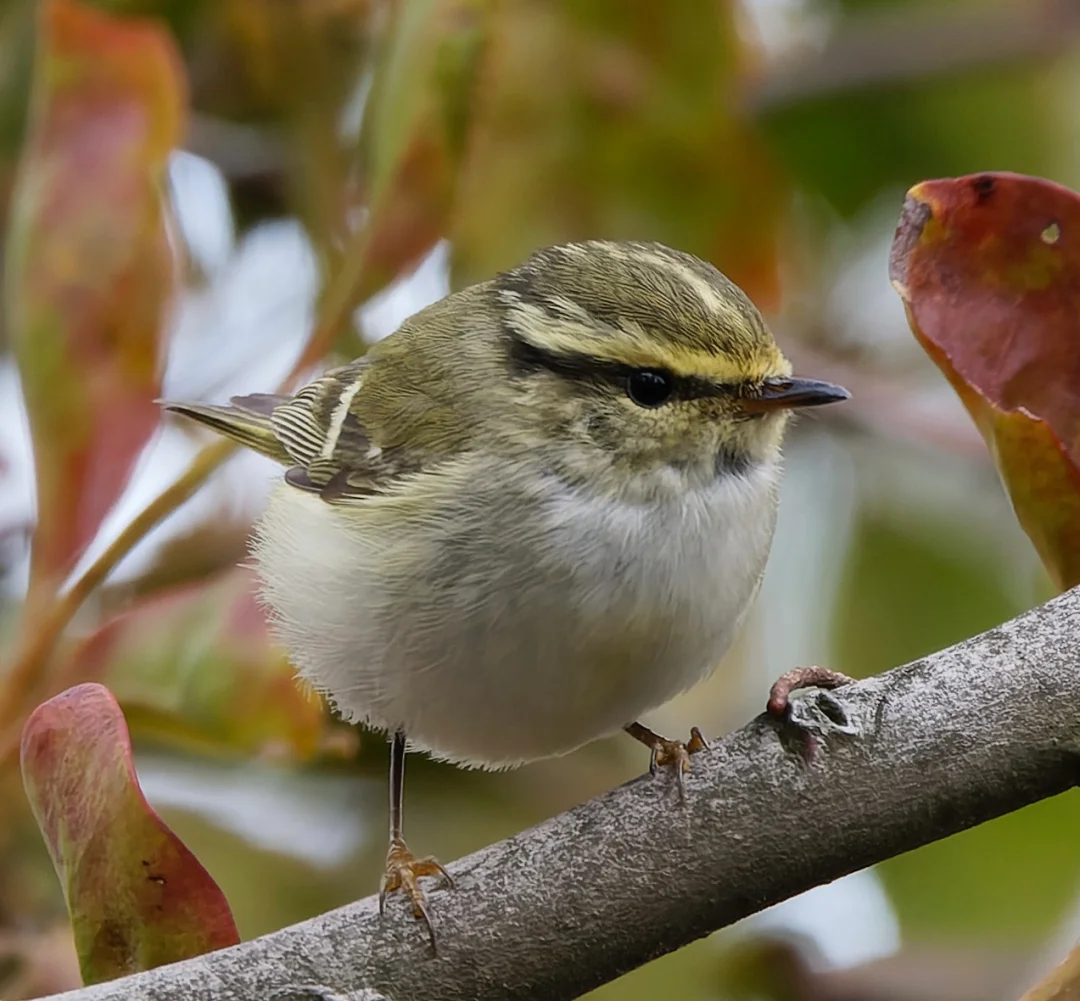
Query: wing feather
[315, 433]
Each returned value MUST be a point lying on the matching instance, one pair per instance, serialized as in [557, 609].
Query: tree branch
[773, 809]
[915, 43]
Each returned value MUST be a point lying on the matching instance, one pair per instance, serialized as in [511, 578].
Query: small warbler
[538, 510]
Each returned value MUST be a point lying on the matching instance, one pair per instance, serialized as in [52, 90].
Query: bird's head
[647, 360]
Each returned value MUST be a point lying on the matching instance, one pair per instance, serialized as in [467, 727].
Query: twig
[900, 760]
[918, 43]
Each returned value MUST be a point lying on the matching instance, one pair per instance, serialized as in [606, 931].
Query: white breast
[499, 619]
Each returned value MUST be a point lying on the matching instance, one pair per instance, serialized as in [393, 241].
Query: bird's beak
[792, 394]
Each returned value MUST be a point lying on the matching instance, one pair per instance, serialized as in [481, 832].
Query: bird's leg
[403, 869]
[801, 677]
[669, 752]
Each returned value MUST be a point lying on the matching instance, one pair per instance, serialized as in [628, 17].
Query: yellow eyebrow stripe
[638, 349]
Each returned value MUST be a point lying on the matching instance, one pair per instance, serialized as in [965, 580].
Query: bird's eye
[650, 387]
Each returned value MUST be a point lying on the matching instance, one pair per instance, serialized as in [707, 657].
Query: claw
[403, 872]
[677, 753]
[801, 677]
[664, 752]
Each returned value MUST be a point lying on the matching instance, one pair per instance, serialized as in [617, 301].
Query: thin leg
[403, 869]
[397, 783]
[666, 752]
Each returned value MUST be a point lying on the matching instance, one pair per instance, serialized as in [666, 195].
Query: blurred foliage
[947, 585]
[196, 664]
[384, 127]
[1003, 883]
[849, 148]
[91, 269]
[636, 110]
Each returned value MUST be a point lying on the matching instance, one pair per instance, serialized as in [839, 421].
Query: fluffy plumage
[536, 511]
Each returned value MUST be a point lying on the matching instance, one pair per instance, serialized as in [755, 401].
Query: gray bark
[859, 775]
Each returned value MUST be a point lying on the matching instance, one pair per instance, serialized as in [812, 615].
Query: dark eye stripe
[527, 358]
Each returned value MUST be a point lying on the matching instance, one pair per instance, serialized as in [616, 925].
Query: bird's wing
[316, 433]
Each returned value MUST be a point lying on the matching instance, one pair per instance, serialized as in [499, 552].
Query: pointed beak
[792, 394]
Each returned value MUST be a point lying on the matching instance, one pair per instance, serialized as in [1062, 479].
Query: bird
[536, 511]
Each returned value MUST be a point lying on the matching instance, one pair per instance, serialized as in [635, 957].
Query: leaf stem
[42, 639]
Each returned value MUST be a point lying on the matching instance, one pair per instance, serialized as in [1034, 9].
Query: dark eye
[650, 387]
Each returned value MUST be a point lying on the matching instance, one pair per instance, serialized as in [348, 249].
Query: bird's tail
[247, 421]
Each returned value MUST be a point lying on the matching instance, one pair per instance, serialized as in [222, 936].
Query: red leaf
[988, 267]
[137, 897]
[90, 268]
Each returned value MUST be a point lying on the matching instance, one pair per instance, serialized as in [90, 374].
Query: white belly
[520, 622]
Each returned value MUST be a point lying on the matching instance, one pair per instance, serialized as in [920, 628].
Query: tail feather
[248, 425]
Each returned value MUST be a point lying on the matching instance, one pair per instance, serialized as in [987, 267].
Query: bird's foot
[779, 703]
[403, 872]
[667, 753]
